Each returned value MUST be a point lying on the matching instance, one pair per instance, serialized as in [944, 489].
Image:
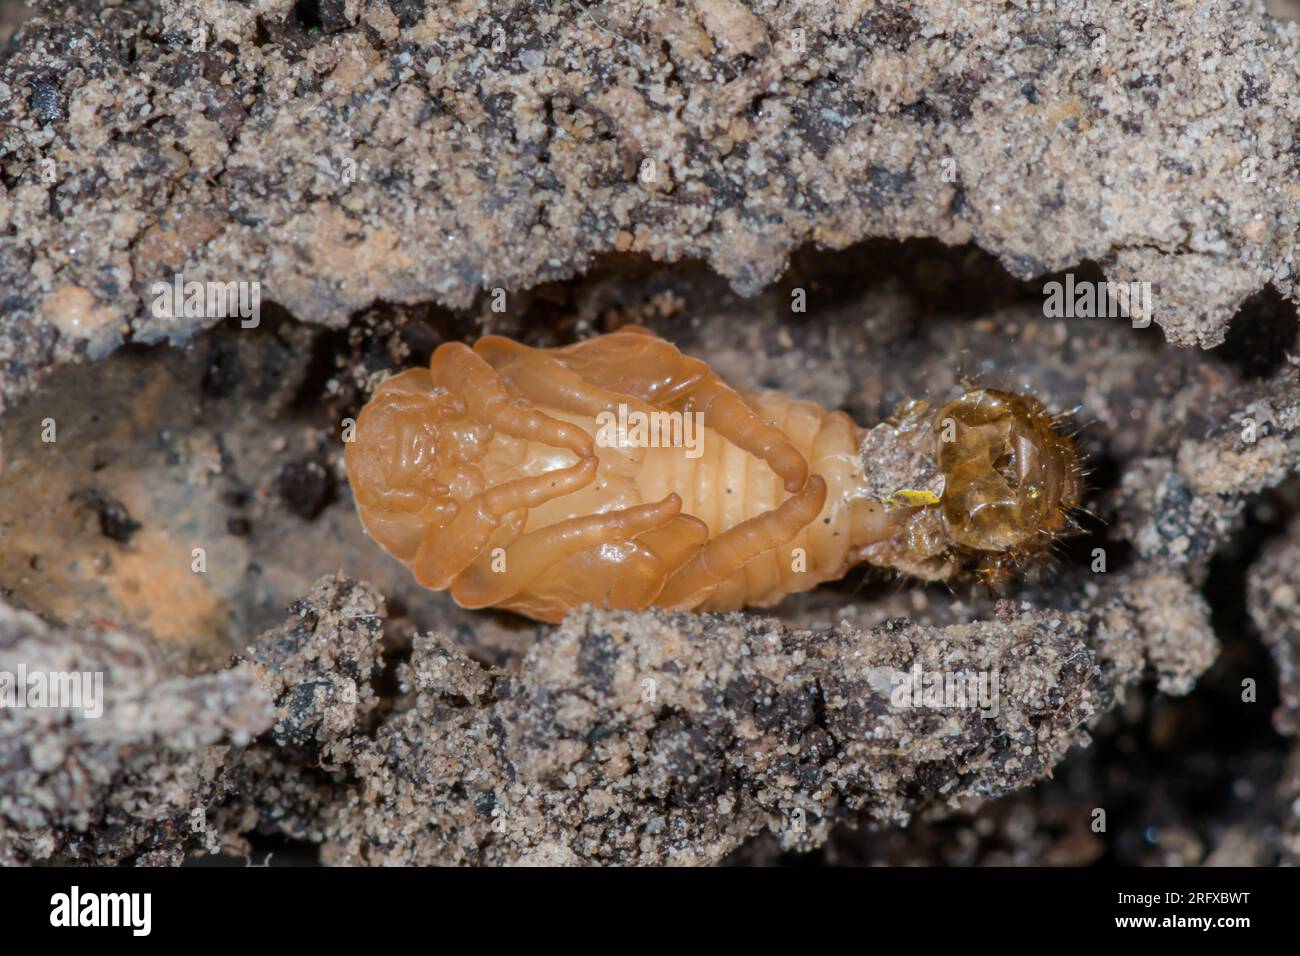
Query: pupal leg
[547, 381]
[730, 551]
[654, 371]
[447, 550]
[627, 575]
[529, 557]
[675, 543]
[460, 369]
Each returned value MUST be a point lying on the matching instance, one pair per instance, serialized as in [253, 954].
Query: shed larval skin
[493, 474]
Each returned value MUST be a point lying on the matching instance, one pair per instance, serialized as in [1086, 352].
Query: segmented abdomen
[722, 487]
[725, 486]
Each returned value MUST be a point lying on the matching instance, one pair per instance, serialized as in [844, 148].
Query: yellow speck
[913, 499]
